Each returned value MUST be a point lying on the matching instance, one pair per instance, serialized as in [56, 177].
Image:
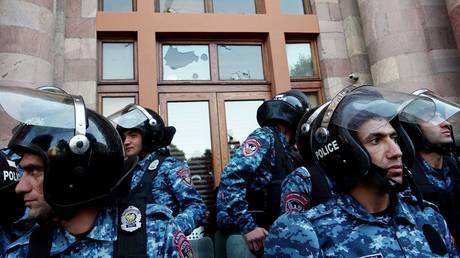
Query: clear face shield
[352, 107]
[131, 116]
[23, 106]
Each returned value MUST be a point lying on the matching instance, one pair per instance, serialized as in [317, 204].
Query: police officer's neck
[286, 131]
[433, 158]
[82, 222]
[371, 197]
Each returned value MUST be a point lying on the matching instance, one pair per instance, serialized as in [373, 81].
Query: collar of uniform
[281, 135]
[141, 167]
[350, 205]
[24, 239]
[105, 229]
[147, 160]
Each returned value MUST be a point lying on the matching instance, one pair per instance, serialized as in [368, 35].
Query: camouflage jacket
[341, 227]
[172, 187]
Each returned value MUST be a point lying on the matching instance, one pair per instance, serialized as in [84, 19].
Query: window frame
[306, 8]
[209, 6]
[100, 6]
[101, 97]
[100, 49]
[314, 58]
[213, 62]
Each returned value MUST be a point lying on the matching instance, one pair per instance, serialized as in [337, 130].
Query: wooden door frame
[221, 98]
[164, 98]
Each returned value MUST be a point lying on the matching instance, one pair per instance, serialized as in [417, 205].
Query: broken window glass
[238, 62]
[186, 62]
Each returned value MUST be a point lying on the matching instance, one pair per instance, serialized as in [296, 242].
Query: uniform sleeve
[243, 165]
[292, 236]
[174, 245]
[296, 191]
[193, 209]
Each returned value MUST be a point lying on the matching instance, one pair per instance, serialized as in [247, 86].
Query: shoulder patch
[183, 245]
[185, 175]
[250, 147]
[296, 202]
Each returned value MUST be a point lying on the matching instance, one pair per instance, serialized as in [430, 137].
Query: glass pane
[241, 121]
[192, 142]
[313, 99]
[240, 62]
[292, 7]
[235, 6]
[182, 6]
[117, 61]
[186, 62]
[117, 6]
[299, 59]
[111, 105]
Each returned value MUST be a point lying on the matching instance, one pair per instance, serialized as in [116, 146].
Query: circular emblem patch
[131, 219]
[295, 202]
[153, 165]
[250, 147]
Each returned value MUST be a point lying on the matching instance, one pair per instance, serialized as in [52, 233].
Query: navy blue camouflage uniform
[172, 187]
[297, 187]
[341, 227]
[164, 238]
[250, 168]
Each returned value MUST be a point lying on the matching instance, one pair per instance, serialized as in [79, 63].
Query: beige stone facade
[397, 44]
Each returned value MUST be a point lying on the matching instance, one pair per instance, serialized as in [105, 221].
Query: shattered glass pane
[238, 62]
[235, 6]
[186, 62]
[117, 61]
[299, 59]
[182, 6]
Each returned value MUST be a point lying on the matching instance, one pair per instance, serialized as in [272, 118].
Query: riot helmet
[334, 130]
[82, 151]
[446, 115]
[12, 202]
[287, 108]
[154, 133]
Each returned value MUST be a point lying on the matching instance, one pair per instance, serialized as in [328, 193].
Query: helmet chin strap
[380, 177]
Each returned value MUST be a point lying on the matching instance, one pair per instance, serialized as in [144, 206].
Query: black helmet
[82, 151]
[445, 111]
[333, 133]
[287, 107]
[12, 202]
[303, 134]
[151, 126]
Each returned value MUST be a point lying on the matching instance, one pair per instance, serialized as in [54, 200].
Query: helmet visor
[445, 109]
[129, 117]
[40, 108]
[358, 105]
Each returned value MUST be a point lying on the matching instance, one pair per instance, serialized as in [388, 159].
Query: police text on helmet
[327, 149]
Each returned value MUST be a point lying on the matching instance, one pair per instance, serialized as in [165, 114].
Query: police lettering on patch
[183, 245]
[295, 202]
[379, 255]
[185, 175]
[131, 219]
[250, 147]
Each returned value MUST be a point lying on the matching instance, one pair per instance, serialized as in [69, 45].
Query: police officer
[359, 142]
[74, 168]
[308, 185]
[12, 202]
[436, 171]
[249, 191]
[144, 134]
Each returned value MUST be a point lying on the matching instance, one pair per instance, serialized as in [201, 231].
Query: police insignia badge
[185, 175]
[153, 165]
[183, 245]
[250, 147]
[295, 202]
[131, 219]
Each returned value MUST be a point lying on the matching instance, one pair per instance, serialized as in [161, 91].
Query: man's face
[381, 144]
[31, 186]
[132, 142]
[437, 130]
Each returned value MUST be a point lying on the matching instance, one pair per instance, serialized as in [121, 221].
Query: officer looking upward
[361, 145]
[74, 168]
[250, 186]
[144, 134]
[436, 171]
